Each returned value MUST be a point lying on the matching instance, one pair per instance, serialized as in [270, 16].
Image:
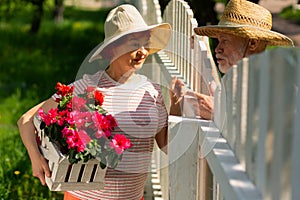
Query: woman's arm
[28, 135]
[162, 139]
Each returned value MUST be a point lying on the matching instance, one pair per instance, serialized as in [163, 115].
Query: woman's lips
[139, 60]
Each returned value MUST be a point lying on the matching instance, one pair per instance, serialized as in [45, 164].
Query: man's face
[229, 51]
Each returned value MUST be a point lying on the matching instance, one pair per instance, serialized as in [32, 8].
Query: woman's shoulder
[92, 79]
[149, 84]
[92, 76]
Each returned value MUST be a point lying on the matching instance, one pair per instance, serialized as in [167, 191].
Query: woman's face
[131, 52]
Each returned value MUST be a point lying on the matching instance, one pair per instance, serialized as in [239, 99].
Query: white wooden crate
[66, 176]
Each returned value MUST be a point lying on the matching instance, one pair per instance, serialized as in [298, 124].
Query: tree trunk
[37, 15]
[58, 11]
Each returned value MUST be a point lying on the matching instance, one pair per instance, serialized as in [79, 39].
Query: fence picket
[295, 161]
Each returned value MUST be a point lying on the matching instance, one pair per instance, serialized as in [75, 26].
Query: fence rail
[250, 149]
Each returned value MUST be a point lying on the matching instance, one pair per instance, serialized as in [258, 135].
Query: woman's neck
[117, 75]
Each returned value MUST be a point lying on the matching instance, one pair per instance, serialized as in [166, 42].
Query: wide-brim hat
[126, 19]
[246, 19]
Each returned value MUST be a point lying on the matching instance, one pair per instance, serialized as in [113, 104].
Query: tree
[10, 7]
[39, 11]
[58, 11]
[37, 15]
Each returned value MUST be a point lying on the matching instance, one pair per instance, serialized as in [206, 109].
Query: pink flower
[49, 118]
[73, 139]
[62, 117]
[100, 121]
[120, 143]
[80, 119]
[99, 133]
[68, 132]
[78, 103]
[85, 138]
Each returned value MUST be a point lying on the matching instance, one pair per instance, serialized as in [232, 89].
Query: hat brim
[159, 38]
[271, 37]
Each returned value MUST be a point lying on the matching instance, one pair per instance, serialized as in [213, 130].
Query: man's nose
[218, 49]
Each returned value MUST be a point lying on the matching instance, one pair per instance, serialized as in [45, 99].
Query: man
[243, 30]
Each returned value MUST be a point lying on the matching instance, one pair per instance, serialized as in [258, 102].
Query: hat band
[238, 25]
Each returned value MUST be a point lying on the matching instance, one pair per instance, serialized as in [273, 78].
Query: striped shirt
[138, 107]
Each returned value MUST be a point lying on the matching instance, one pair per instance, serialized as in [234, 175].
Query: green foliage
[8, 8]
[290, 13]
[30, 66]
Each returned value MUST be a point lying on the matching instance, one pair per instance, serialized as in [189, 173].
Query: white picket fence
[249, 151]
[262, 123]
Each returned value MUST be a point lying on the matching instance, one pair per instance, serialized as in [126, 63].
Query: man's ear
[253, 44]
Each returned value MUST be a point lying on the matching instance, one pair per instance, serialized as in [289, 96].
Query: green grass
[30, 66]
[291, 14]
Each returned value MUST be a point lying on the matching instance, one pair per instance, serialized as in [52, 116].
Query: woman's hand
[40, 168]
[27, 130]
[176, 95]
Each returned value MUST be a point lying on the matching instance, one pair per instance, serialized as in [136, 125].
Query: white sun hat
[126, 19]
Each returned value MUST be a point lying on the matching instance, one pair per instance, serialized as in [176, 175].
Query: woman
[134, 101]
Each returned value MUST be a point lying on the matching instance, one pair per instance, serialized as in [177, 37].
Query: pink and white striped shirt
[140, 112]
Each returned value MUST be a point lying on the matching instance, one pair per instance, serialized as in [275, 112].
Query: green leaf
[113, 160]
[103, 163]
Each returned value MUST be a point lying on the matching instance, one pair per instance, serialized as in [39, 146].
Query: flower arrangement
[82, 129]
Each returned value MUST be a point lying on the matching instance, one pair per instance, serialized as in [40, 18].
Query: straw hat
[246, 19]
[126, 19]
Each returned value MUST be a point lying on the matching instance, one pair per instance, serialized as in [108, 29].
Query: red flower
[120, 143]
[99, 97]
[49, 118]
[112, 121]
[63, 90]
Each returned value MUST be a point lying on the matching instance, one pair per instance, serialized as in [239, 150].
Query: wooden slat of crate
[99, 175]
[76, 186]
[88, 170]
[74, 173]
[60, 171]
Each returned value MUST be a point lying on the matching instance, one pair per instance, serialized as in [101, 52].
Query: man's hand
[203, 104]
